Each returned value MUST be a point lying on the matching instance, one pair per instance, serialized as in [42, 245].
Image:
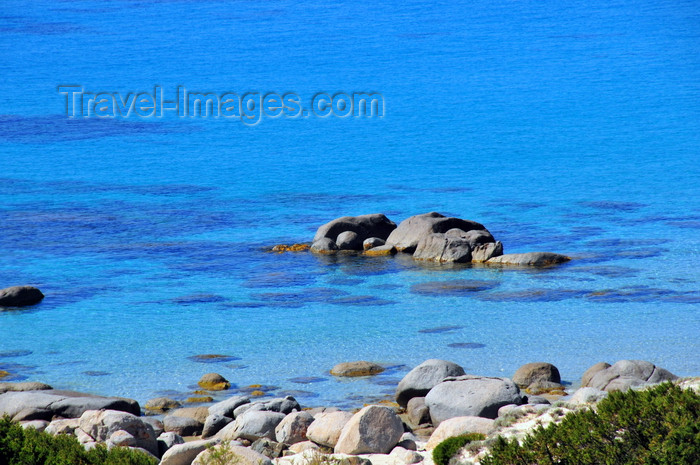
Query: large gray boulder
[184, 426]
[591, 372]
[411, 230]
[372, 430]
[471, 396]
[349, 240]
[56, 403]
[474, 237]
[184, 454]
[324, 245]
[24, 386]
[534, 372]
[437, 247]
[231, 454]
[458, 426]
[326, 427]
[293, 428]
[253, 425]
[423, 378]
[101, 425]
[629, 373]
[214, 424]
[529, 259]
[483, 252]
[226, 407]
[365, 226]
[20, 296]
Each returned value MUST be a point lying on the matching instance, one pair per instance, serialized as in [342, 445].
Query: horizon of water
[560, 127]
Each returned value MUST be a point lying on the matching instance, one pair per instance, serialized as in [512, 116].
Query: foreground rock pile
[430, 237]
[436, 400]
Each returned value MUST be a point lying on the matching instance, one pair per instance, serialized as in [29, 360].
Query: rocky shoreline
[434, 401]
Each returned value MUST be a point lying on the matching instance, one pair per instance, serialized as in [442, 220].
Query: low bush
[448, 448]
[659, 426]
[20, 446]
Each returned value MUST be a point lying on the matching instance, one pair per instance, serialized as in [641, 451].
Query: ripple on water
[456, 287]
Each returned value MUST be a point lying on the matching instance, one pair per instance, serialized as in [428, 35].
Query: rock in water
[411, 230]
[444, 249]
[471, 396]
[349, 240]
[372, 430]
[365, 226]
[483, 252]
[422, 378]
[20, 296]
[537, 371]
[214, 382]
[324, 245]
[529, 259]
[352, 369]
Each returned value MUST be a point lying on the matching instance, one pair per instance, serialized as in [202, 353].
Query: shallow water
[560, 127]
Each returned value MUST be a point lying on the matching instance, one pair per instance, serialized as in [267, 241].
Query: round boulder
[591, 372]
[537, 371]
[349, 240]
[161, 405]
[326, 427]
[458, 426]
[471, 396]
[214, 382]
[20, 296]
[422, 378]
[372, 430]
[293, 428]
[628, 373]
[365, 226]
[353, 369]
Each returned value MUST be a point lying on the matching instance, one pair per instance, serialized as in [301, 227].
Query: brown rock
[353, 369]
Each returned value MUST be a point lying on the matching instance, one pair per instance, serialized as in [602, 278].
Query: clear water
[559, 126]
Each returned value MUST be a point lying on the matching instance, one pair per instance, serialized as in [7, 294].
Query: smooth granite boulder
[23, 386]
[349, 240]
[184, 454]
[469, 395]
[101, 425]
[324, 245]
[234, 454]
[198, 413]
[372, 242]
[253, 425]
[474, 237]
[286, 405]
[168, 440]
[458, 426]
[483, 252]
[365, 226]
[381, 251]
[442, 248]
[587, 395]
[591, 372]
[629, 373]
[213, 382]
[529, 259]
[214, 424]
[228, 406]
[422, 378]
[184, 426]
[417, 412]
[56, 403]
[293, 428]
[326, 427]
[372, 430]
[161, 405]
[536, 371]
[20, 296]
[411, 230]
[63, 426]
[354, 369]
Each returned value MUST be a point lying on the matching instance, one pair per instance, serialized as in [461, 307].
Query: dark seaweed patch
[307, 380]
[533, 295]
[280, 279]
[15, 353]
[361, 300]
[198, 299]
[614, 206]
[96, 373]
[466, 345]
[457, 287]
[212, 358]
[440, 329]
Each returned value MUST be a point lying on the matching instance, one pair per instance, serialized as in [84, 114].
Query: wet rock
[418, 413]
[20, 296]
[161, 405]
[184, 454]
[372, 430]
[365, 226]
[214, 382]
[372, 242]
[423, 378]
[228, 406]
[293, 428]
[184, 426]
[629, 373]
[443, 249]
[411, 230]
[529, 259]
[353, 369]
[349, 240]
[56, 403]
[470, 396]
[253, 425]
[102, 424]
[232, 454]
[458, 426]
[454, 287]
[381, 250]
[326, 427]
[483, 252]
[537, 371]
[591, 372]
[214, 424]
[324, 246]
[269, 448]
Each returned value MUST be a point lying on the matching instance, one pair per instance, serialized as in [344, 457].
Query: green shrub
[660, 426]
[448, 448]
[31, 447]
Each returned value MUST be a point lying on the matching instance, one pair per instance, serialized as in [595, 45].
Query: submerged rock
[529, 259]
[214, 382]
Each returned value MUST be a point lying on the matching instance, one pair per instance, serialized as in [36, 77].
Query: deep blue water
[560, 126]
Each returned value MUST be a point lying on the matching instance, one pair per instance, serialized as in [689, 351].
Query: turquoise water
[561, 127]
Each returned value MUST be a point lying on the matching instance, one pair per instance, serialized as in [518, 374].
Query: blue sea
[571, 127]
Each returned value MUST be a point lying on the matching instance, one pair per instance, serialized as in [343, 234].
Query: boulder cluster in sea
[434, 401]
[429, 237]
